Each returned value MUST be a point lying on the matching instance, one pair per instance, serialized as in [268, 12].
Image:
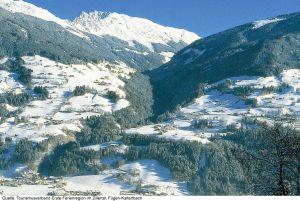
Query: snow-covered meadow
[138, 177]
[225, 110]
[62, 111]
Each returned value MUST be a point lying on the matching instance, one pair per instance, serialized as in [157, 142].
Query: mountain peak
[95, 15]
[131, 29]
[121, 26]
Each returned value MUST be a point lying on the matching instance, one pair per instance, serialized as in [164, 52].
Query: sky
[204, 17]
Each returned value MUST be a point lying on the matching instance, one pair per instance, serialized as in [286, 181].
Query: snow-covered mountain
[138, 42]
[131, 29]
[262, 48]
[74, 103]
[19, 6]
[230, 104]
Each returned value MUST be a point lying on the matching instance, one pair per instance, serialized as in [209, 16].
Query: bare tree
[275, 159]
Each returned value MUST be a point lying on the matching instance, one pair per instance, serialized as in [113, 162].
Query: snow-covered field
[8, 82]
[173, 132]
[146, 175]
[226, 109]
[62, 110]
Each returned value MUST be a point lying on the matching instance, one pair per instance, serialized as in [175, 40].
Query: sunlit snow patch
[261, 23]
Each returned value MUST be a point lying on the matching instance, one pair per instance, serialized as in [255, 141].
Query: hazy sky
[204, 17]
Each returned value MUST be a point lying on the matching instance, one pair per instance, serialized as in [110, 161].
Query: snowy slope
[151, 174]
[153, 177]
[63, 110]
[261, 23]
[19, 6]
[227, 111]
[131, 29]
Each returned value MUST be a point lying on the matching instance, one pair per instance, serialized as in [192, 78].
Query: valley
[98, 105]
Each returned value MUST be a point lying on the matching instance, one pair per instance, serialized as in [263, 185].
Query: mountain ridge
[78, 117]
[242, 50]
[110, 31]
[127, 27]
